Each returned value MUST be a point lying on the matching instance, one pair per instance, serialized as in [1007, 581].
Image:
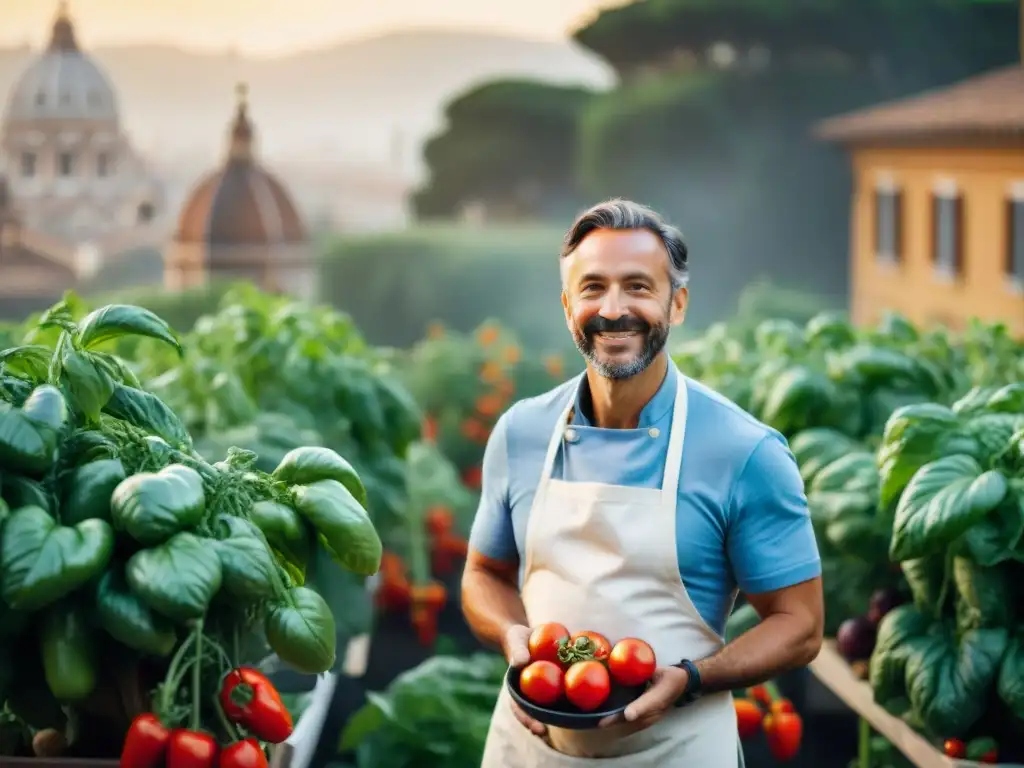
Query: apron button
[653, 431]
[571, 435]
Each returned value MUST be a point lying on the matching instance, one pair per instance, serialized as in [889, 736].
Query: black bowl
[563, 714]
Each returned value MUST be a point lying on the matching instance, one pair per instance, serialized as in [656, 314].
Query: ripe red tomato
[542, 682]
[632, 662]
[544, 641]
[601, 645]
[587, 685]
[954, 748]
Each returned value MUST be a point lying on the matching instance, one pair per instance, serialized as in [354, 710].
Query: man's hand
[516, 646]
[667, 685]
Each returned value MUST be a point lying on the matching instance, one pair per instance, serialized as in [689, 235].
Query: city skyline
[282, 27]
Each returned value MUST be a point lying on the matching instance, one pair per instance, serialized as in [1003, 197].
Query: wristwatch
[693, 683]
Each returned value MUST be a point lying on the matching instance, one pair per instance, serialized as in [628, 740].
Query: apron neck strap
[676, 439]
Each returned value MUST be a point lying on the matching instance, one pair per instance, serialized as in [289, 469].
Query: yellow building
[937, 228]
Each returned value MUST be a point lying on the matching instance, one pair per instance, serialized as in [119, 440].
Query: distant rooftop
[987, 107]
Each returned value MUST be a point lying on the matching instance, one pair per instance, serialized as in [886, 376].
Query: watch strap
[693, 683]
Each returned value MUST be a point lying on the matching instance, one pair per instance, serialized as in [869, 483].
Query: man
[633, 501]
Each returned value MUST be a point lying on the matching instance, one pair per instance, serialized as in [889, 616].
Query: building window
[1015, 237]
[145, 213]
[28, 164]
[40, 99]
[103, 165]
[888, 224]
[947, 232]
[65, 99]
[65, 164]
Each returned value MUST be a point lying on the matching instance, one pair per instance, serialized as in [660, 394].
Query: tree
[944, 38]
[508, 144]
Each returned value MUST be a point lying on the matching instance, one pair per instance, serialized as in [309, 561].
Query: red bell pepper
[784, 732]
[252, 701]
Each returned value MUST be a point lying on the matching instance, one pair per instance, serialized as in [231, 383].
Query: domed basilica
[70, 168]
[74, 194]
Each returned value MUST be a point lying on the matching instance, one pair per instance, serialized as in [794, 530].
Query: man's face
[618, 300]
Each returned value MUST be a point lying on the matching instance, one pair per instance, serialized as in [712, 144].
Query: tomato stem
[229, 729]
[173, 677]
[197, 669]
[419, 568]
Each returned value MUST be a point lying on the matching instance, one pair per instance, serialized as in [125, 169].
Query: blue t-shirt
[742, 520]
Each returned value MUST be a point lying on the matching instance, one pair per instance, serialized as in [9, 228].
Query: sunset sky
[269, 27]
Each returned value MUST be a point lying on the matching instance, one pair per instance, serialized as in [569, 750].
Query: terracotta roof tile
[986, 106]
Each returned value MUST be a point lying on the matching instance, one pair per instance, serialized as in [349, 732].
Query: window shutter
[897, 224]
[958, 234]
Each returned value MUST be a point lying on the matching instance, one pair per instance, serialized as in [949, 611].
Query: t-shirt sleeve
[492, 534]
[771, 540]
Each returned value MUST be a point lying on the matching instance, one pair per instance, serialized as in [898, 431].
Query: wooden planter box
[833, 671]
[54, 762]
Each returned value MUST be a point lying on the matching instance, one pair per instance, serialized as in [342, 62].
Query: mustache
[624, 324]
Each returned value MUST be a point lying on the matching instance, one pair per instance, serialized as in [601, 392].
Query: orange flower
[430, 429]
[490, 372]
[553, 365]
[487, 335]
[505, 388]
[512, 354]
[489, 405]
[472, 429]
[435, 331]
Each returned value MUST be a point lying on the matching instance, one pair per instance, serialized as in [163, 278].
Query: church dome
[62, 84]
[240, 203]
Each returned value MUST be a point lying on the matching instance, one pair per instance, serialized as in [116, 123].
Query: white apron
[603, 557]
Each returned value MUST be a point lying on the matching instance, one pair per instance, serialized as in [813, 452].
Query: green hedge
[395, 285]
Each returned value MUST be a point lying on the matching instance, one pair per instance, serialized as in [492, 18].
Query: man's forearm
[491, 604]
[778, 644]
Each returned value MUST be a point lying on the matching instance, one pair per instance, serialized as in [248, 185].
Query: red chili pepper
[990, 757]
[954, 748]
[250, 699]
[243, 754]
[191, 749]
[146, 742]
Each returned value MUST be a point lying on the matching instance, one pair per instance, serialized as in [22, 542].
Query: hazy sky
[281, 26]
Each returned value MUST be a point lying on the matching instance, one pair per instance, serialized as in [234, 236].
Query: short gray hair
[623, 215]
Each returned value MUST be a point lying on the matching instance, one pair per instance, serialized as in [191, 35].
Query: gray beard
[654, 343]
